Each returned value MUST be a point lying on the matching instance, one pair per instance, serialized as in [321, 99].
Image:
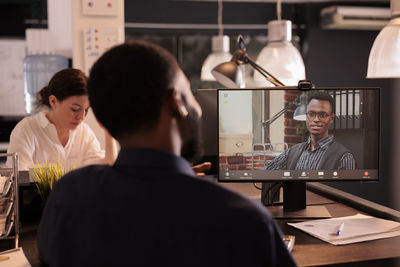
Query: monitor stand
[294, 204]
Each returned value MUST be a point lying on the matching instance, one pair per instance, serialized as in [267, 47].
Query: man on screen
[321, 151]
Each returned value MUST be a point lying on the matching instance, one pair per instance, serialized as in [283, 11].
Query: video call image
[287, 134]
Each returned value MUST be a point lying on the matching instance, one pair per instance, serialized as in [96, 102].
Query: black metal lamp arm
[277, 115]
[265, 73]
[241, 57]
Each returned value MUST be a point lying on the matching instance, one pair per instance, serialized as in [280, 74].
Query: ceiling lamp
[220, 50]
[384, 58]
[280, 56]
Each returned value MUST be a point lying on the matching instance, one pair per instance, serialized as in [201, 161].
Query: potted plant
[45, 177]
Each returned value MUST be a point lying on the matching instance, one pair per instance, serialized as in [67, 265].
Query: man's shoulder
[339, 146]
[82, 176]
[297, 147]
[203, 195]
[228, 201]
[87, 171]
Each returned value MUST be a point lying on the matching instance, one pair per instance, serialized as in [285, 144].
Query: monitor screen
[284, 134]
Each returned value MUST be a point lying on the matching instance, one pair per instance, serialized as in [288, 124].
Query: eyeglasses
[321, 115]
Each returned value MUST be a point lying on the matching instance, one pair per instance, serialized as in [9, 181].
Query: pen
[4, 258]
[339, 231]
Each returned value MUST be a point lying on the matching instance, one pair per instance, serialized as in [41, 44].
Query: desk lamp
[229, 73]
[299, 114]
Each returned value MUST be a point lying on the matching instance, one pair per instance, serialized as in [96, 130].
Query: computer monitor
[276, 136]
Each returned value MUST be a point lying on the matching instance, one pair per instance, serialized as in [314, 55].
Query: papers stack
[13, 258]
[3, 180]
[357, 228]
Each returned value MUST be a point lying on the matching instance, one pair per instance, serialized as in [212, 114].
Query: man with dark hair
[321, 151]
[149, 209]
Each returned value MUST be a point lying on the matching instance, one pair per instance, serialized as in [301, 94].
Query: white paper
[17, 258]
[3, 180]
[357, 228]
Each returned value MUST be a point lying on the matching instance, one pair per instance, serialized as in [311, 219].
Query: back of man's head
[127, 85]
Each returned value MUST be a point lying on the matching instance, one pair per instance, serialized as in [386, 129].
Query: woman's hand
[199, 169]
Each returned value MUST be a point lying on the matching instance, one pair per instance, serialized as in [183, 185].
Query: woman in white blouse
[58, 133]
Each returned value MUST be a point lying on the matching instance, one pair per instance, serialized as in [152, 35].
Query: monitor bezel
[281, 179]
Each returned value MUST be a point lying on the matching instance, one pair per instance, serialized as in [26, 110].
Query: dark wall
[198, 12]
[339, 58]
[17, 15]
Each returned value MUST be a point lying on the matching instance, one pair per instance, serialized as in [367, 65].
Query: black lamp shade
[228, 74]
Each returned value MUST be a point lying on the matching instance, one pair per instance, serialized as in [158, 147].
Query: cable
[256, 186]
[277, 191]
[278, 9]
[266, 192]
[220, 28]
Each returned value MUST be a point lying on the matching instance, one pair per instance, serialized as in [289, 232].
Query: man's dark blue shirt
[149, 209]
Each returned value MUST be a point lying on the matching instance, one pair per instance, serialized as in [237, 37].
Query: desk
[310, 251]
[30, 203]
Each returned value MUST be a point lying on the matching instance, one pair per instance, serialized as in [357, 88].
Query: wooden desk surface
[311, 251]
[308, 250]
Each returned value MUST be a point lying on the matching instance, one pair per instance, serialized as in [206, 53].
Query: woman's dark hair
[65, 83]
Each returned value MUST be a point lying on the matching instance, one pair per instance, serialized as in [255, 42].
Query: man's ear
[331, 118]
[178, 105]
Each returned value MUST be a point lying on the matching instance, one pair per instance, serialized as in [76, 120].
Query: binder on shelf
[357, 109]
[338, 110]
[343, 111]
[350, 110]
